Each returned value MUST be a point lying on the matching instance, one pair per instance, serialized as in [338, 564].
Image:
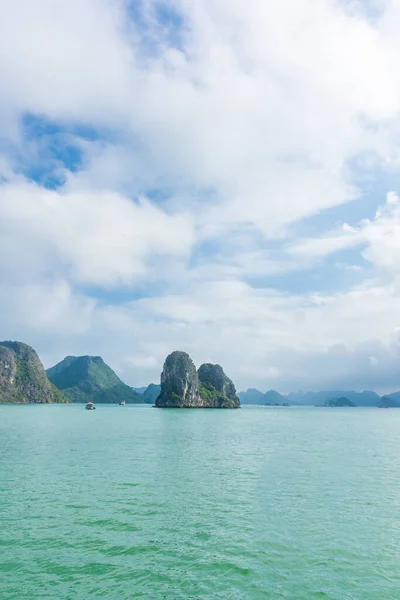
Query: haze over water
[255, 504]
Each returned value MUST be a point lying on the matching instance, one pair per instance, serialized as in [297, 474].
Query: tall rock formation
[179, 383]
[216, 389]
[183, 387]
[22, 376]
[89, 378]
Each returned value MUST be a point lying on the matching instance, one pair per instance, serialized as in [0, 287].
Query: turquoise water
[139, 503]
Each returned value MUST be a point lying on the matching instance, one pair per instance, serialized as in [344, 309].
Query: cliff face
[216, 389]
[89, 378]
[22, 376]
[183, 387]
[179, 383]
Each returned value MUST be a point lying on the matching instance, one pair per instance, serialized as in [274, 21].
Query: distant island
[151, 393]
[254, 396]
[389, 402]
[184, 387]
[340, 402]
[90, 379]
[273, 398]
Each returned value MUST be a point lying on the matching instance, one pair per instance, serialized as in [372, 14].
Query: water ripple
[288, 504]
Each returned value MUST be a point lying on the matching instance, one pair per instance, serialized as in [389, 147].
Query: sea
[262, 503]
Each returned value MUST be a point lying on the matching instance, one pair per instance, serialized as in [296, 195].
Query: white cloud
[64, 60]
[380, 238]
[333, 242]
[264, 105]
[96, 238]
[348, 267]
[142, 362]
[273, 340]
[383, 235]
[249, 125]
[262, 338]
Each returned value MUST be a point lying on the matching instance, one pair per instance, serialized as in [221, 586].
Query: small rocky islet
[182, 386]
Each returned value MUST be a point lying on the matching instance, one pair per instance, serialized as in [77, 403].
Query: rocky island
[23, 378]
[388, 402]
[90, 379]
[273, 398]
[340, 403]
[184, 387]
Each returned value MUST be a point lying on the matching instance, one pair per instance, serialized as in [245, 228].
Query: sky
[219, 177]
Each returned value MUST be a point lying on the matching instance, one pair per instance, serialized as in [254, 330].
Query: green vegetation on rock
[183, 387]
[179, 383]
[151, 393]
[23, 378]
[89, 378]
[216, 388]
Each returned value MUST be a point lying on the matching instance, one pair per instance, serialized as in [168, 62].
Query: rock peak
[179, 382]
[22, 376]
[89, 378]
[216, 387]
[184, 387]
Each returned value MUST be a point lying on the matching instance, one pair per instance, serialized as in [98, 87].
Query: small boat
[122, 403]
[90, 406]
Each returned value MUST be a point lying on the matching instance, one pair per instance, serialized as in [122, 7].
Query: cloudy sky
[218, 176]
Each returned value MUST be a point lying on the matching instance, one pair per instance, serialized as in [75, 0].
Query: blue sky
[217, 177]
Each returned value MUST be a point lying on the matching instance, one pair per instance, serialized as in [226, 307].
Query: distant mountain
[390, 401]
[151, 393]
[22, 376]
[394, 396]
[273, 398]
[365, 398]
[88, 378]
[252, 396]
[140, 390]
[340, 402]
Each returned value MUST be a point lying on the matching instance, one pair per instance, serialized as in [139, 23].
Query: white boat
[90, 406]
[122, 403]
